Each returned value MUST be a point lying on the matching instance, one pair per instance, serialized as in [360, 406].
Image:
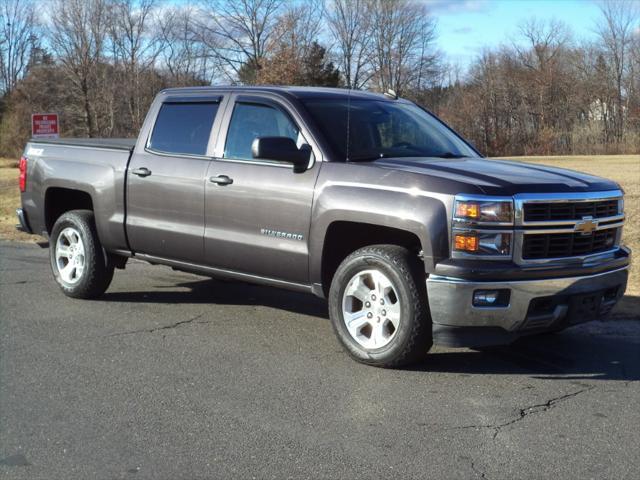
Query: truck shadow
[608, 350]
[570, 355]
[594, 351]
[221, 292]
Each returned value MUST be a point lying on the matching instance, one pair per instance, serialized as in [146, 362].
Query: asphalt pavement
[176, 376]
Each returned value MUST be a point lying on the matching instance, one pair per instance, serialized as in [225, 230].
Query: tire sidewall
[339, 284]
[82, 226]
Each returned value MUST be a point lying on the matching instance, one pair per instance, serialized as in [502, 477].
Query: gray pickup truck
[365, 199]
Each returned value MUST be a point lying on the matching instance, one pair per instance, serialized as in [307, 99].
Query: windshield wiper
[450, 155]
[367, 158]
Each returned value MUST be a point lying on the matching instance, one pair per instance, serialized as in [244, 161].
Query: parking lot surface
[175, 376]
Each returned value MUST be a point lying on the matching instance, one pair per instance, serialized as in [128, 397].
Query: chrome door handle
[221, 180]
[141, 172]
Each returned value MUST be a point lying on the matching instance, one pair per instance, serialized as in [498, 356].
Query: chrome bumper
[23, 224]
[451, 301]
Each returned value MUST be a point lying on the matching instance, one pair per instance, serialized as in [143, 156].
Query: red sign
[44, 125]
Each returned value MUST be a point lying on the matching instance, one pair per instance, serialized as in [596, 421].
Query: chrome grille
[562, 245]
[554, 211]
[557, 228]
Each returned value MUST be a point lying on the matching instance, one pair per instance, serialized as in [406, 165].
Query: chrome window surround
[520, 228]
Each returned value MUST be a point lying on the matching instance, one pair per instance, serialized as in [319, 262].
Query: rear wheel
[378, 306]
[78, 262]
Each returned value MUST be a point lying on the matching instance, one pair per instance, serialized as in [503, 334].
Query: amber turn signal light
[467, 210]
[466, 243]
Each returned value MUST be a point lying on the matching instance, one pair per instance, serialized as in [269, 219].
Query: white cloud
[463, 30]
[457, 6]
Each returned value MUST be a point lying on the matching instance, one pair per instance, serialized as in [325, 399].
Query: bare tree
[616, 31]
[634, 86]
[350, 24]
[403, 35]
[237, 33]
[299, 24]
[182, 56]
[135, 49]
[17, 39]
[77, 37]
[292, 44]
[546, 82]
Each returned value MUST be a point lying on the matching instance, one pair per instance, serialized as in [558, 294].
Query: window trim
[262, 161]
[185, 100]
[265, 100]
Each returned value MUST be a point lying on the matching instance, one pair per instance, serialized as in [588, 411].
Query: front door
[258, 212]
[166, 181]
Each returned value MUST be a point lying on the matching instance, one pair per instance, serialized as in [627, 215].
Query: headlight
[479, 227]
[484, 211]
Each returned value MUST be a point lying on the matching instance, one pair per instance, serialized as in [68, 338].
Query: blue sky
[466, 26]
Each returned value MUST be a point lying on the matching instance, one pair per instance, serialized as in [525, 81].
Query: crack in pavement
[156, 329]
[21, 282]
[477, 470]
[525, 412]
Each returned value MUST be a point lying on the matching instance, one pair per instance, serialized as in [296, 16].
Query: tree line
[99, 63]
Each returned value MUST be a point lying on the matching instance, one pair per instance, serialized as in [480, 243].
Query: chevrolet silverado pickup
[364, 199]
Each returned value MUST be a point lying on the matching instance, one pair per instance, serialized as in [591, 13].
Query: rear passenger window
[250, 121]
[183, 128]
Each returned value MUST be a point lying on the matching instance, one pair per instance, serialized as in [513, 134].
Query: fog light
[491, 298]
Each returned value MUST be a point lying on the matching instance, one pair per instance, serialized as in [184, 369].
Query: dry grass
[8, 163]
[9, 201]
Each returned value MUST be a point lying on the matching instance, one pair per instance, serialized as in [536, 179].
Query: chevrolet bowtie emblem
[587, 226]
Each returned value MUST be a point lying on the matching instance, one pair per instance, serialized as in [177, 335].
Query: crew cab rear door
[166, 178]
[257, 212]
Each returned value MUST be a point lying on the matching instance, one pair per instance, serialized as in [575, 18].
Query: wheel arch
[345, 220]
[344, 237]
[59, 200]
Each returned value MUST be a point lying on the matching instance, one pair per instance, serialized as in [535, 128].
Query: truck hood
[499, 177]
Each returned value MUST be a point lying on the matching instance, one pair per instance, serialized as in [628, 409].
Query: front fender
[421, 213]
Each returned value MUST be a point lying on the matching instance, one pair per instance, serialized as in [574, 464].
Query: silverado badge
[278, 234]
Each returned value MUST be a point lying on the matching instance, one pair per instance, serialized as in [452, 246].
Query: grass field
[624, 169]
[9, 201]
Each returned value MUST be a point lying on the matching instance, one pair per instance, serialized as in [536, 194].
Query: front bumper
[534, 306]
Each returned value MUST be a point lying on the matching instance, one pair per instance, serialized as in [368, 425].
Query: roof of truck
[297, 92]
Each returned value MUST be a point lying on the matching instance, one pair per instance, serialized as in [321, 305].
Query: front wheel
[378, 306]
[78, 261]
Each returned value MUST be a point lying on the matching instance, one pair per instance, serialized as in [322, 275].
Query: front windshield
[382, 128]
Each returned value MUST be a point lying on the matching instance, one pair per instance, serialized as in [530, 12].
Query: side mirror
[282, 149]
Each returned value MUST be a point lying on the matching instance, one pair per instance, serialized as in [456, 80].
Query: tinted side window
[250, 121]
[183, 128]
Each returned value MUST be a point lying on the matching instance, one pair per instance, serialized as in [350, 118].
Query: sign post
[44, 125]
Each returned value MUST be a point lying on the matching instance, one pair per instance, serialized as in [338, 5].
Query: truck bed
[95, 166]
[110, 143]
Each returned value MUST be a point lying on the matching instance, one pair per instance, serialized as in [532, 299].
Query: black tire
[97, 271]
[412, 339]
